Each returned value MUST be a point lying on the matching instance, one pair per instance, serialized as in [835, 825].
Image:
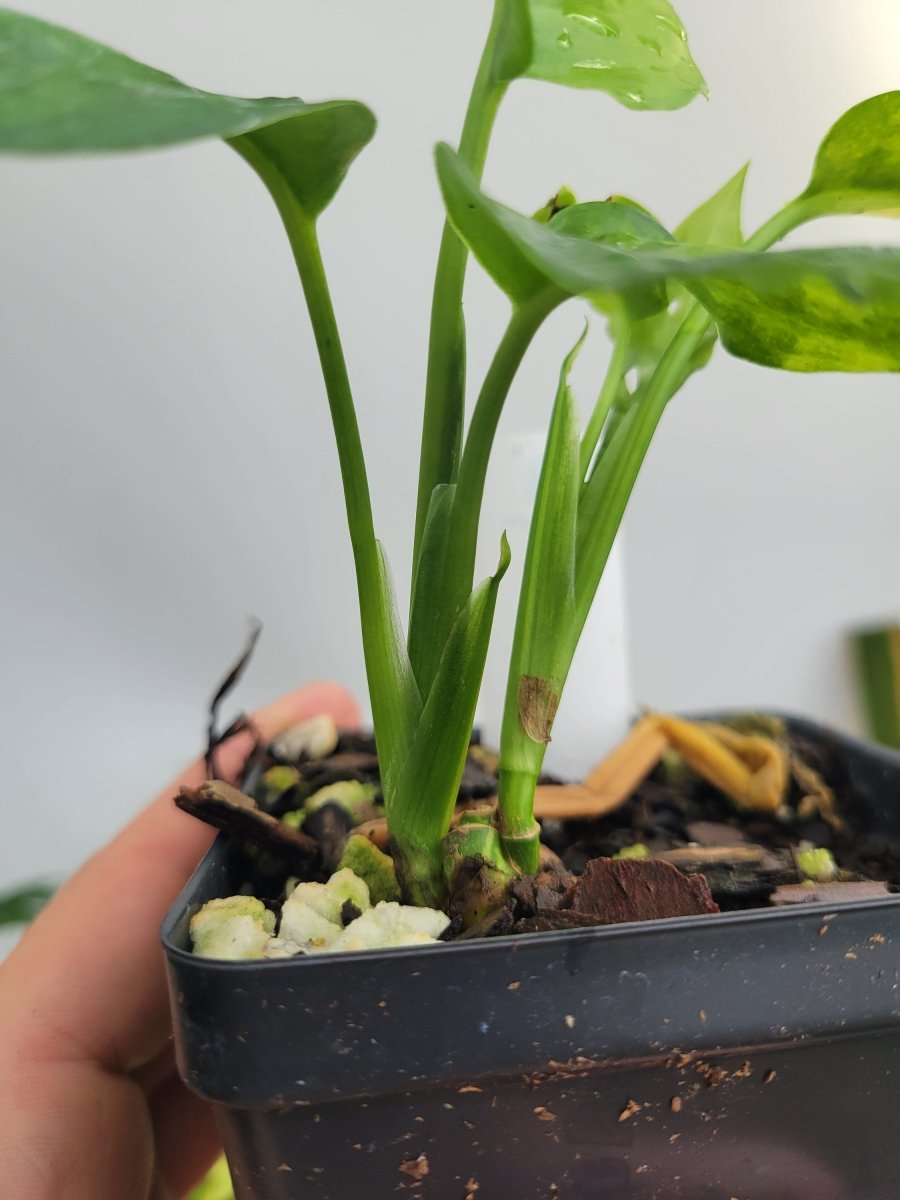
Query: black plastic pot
[747, 1056]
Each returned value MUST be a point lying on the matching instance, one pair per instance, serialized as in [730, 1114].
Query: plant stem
[466, 515]
[445, 382]
[620, 461]
[520, 834]
[604, 500]
[375, 619]
[780, 224]
[649, 406]
[602, 505]
[307, 254]
[618, 365]
[436, 608]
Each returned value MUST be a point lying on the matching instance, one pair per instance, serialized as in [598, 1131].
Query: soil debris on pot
[416, 1168]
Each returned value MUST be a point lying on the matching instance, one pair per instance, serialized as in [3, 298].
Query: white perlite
[241, 927]
[392, 924]
[236, 927]
[313, 738]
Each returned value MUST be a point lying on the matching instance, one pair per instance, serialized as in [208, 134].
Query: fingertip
[311, 700]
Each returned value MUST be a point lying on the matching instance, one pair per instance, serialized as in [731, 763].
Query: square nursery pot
[747, 1056]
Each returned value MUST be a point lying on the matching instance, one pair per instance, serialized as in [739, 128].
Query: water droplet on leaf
[672, 25]
[604, 28]
[652, 44]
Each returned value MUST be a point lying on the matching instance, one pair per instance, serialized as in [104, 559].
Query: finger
[187, 1139]
[88, 979]
[71, 1129]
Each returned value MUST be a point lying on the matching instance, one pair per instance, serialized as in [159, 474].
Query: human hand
[94, 1108]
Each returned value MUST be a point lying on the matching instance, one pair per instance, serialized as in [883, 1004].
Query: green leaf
[396, 701]
[716, 222]
[308, 154]
[23, 905]
[806, 323]
[634, 50]
[425, 644]
[610, 223]
[61, 93]
[857, 168]
[802, 310]
[426, 791]
[497, 248]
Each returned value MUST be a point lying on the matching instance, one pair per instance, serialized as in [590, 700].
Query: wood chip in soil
[318, 773]
[614, 890]
[225, 807]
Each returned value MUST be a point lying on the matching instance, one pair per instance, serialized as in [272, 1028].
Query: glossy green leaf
[857, 168]
[23, 905]
[310, 153]
[809, 323]
[634, 50]
[495, 243]
[610, 223]
[798, 309]
[61, 93]
[428, 783]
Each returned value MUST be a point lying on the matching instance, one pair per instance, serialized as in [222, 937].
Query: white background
[167, 467]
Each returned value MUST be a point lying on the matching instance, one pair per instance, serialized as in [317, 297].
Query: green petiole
[445, 384]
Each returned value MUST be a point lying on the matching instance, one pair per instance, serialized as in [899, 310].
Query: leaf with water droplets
[635, 50]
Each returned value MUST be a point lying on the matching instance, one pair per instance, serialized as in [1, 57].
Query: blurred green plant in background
[216, 1186]
[877, 654]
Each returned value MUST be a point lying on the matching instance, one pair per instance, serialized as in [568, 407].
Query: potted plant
[570, 1063]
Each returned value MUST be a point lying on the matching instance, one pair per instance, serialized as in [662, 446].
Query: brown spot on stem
[538, 702]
